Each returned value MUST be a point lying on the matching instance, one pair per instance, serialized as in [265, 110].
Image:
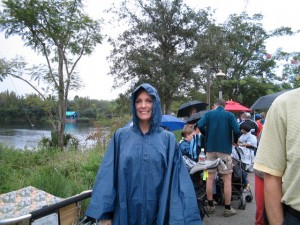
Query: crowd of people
[143, 179]
[219, 132]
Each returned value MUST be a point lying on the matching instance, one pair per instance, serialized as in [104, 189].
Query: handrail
[16, 219]
[49, 208]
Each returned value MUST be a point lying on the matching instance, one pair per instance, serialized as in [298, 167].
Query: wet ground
[246, 216]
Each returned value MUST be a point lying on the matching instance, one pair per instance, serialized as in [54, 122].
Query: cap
[258, 116]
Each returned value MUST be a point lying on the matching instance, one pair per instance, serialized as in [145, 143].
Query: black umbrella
[195, 117]
[264, 102]
[185, 108]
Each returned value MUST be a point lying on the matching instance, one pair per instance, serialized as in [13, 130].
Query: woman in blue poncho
[142, 179]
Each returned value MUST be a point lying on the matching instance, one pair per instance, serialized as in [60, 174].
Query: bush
[69, 140]
[62, 174]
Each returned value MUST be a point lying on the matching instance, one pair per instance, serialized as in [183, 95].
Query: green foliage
[62, 33]
[69, 140]
[89, 113]
[178, 135]
[176, 49]
[33, 109]
[119, 107]
[90, 108]
[157, 47]
[63, 174]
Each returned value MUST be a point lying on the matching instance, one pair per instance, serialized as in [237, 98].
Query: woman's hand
[105, 222]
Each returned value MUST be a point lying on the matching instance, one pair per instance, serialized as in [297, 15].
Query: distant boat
[71, 116]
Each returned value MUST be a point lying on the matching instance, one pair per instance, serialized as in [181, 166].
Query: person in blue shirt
[142, 179]
[219, 127]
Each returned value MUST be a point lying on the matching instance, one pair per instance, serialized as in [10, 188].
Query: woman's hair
[139, 92]
[186, 131]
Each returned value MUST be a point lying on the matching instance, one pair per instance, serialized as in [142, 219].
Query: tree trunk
[168, 106]
[61, 101]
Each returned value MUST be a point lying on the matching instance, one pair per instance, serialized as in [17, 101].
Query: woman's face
[143, 106]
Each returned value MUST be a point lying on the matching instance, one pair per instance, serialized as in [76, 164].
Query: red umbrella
[233, 106]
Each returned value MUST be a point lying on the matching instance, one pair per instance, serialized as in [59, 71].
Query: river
[22, 136]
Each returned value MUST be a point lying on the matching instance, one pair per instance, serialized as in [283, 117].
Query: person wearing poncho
[142, 179]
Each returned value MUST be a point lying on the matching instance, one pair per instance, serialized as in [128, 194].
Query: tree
[62, 33]
[248, 58]
[89, 113]
[290, 68]
[238, 48]
[3, 69]
[156, 48]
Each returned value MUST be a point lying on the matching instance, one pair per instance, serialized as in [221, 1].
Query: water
[23, 136]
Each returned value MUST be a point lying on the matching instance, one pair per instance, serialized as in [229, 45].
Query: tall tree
[238, 48]
[62, 33]
[156, 47]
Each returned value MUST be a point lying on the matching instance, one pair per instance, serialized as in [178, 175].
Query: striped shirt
[279, 148]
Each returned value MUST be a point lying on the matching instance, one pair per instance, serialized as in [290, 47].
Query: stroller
[239, 183]
[196, 171]
[245, 155]
[241, 164]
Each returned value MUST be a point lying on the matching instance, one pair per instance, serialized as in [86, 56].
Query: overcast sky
[94, 69]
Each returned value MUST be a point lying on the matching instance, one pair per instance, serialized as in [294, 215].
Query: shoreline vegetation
[60, 173]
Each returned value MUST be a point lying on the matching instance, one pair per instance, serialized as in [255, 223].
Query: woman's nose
[143, 103]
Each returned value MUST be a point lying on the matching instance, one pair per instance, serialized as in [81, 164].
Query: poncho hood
[156, 111]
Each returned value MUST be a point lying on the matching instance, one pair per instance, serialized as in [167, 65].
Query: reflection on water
[21, 136]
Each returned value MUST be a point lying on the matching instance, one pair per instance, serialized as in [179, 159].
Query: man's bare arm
[273, 195]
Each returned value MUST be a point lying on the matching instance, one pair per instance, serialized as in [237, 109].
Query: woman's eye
[145, 101]
[138, 101]
[149, 100]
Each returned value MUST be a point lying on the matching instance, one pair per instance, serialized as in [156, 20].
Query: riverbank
[22, 136]
[61, 173]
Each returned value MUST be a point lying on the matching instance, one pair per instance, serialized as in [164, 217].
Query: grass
[62, 174]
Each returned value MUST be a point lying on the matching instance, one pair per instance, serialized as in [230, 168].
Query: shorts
[226, 159]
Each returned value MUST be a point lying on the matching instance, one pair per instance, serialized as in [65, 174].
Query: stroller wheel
[249, 198]
[201, 208]
[240, 206]
[241, 203]
[244, 206]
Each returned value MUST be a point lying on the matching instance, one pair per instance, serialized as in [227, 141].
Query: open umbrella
[195, 117]
[264, 102]
[185, 108]
[171, 122]
[233, 106]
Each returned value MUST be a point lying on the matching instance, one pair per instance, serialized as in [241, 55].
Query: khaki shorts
[226, 159]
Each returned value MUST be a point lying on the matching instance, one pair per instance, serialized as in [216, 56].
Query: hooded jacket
[142, 179]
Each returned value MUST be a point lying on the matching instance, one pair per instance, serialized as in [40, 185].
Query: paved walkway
[242, 217]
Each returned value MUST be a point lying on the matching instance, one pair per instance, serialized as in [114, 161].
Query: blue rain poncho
[142, 179]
